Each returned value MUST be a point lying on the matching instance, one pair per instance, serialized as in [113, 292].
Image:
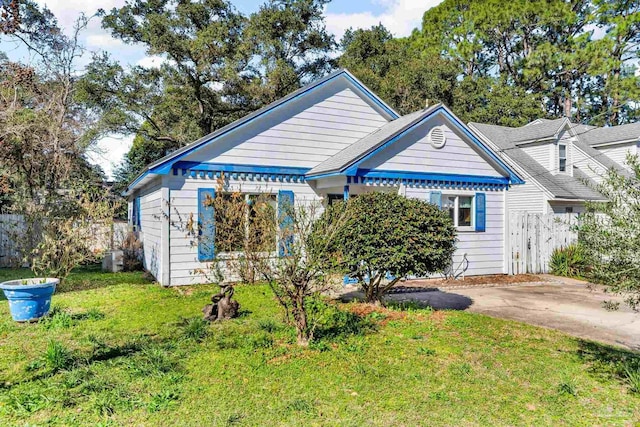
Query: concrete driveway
[563, 304]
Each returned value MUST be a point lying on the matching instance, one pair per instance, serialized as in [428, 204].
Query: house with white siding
[332, 139]
[561, 162]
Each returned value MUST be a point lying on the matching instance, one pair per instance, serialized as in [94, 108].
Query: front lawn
[119, 350]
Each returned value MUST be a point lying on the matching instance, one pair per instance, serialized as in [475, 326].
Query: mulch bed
[425, 285]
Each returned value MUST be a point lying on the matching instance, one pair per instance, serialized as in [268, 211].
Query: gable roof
[163, 165]
[538, 130]
[351, 156]
[361, 147]
[560, 186]
[599, 157]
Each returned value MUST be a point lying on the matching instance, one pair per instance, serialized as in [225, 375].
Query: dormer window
[562, 157]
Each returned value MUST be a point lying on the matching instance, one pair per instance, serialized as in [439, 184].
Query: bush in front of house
[386, 237]
[569, 261]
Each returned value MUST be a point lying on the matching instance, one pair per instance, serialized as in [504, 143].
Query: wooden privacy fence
[533, 237]
[12, 229]
[10, 226]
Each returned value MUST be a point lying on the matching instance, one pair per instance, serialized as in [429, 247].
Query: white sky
[399, 16]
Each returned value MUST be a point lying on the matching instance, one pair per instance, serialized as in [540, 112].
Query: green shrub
[569, 261]
[387, 233]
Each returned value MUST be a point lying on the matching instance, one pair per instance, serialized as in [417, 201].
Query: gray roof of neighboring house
[360, 148]
[608, 135]
[560, 186]
[535, 131]
[600, 157]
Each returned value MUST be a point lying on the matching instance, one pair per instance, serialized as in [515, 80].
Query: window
[230, 219]
[245, 219]
[262, 221]
[568, 209]
[460, 209]
[334, 198]
[562, 157]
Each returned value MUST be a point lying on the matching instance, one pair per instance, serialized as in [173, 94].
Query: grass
[119, 350]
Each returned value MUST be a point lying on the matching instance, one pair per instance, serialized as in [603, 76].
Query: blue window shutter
[285, 221]
[481, 211]
[206, 225]
[435, 198]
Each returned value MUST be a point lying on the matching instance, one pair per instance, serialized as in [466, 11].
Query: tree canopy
[509, 63]
[219, 65]
[489, 61]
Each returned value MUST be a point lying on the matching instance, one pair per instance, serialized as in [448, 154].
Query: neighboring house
[561, 162]
[329, 140]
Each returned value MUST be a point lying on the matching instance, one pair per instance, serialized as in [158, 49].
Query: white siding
[527, 197]
[588, 166]
[302, 133]
[618, 153]
[150, 227]
[183, 249]
[485, 250]
[542, 153]
[561, 208]
[414, 153]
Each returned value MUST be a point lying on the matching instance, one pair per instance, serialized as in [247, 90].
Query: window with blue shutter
[481, 211]
[435, 198]
[206, 224]
[285, 221]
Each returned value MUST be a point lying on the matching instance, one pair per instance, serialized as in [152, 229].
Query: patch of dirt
[186, 291]
[493, 279]
[363, 310]
[438, 316]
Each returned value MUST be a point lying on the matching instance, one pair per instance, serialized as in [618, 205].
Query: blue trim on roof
[165, 167]
[440, 177]
[371, 95]
[232, 167]
[352, 169]
[324, 175]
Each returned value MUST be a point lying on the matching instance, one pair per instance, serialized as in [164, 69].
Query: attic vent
[437, 138]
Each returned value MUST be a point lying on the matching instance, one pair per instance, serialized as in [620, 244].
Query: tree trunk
[300, 319]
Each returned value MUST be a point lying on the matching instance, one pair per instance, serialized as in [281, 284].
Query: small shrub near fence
[569, 262]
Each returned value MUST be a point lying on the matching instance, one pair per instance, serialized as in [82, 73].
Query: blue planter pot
[29, 299]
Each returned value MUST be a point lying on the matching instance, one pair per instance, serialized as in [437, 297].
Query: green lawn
[120, 350]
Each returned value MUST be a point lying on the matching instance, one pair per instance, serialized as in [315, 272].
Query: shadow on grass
[434, 299]
[607, 361]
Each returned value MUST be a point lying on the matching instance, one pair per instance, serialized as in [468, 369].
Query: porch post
[346, 192]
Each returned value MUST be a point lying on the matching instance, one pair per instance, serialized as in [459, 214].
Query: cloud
[398, 16]
[103, 40]
[109, 152]
[153, 61]
[67, 11]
